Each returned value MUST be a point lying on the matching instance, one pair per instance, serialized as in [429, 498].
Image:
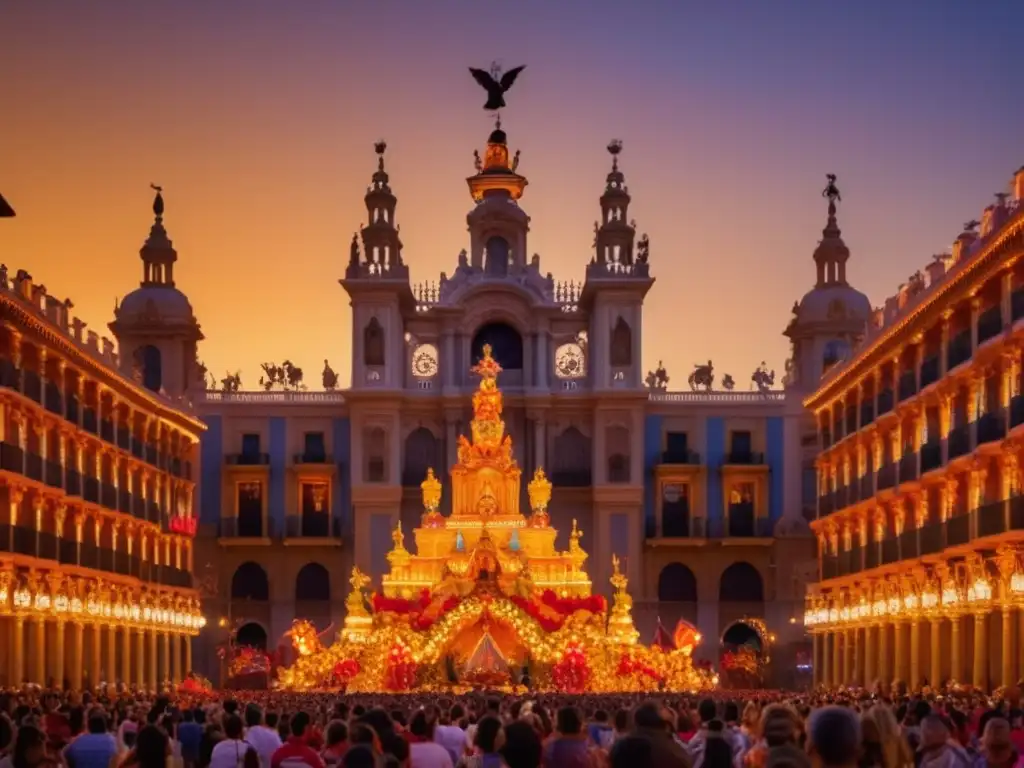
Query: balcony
[931, 456]
[247, 459]
[908, 467]
[929, 371]
[743, 524]
[744, 458]
[992, 426]
[886, 476]
[675, 520]
[313, 525]
[990, 324]
[246, 526]
[959, 350]
[907, 386]
[884, 401]
[958, 443]
[679, 456]
[314, 457]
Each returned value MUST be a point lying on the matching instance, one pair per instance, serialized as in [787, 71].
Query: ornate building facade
[96, 485]
[702, 493]
[920, 522]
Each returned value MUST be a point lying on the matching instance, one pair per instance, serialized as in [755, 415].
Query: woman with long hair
[883, 743]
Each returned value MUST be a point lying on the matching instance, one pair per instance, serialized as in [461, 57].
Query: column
[110, 674]
[126, 653]
[935, 633]
[915, 654]
[980, 677]
[39, 660]
[837, 658]
[96, 656]
[140, 658]
[826, 662]
[18, 654]
[956, 664]
[870, 673]
[57, 663]
[165, 653]
[848, 675]
[188, 655]
[816, 657]
[175, 660]
[884, 666]
[153, 663]
[900, 648]
[77, 641]
[1009, 677]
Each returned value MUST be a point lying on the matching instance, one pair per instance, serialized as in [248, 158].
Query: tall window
[373, 343]
[621, 344]
[251, 445]
[314, 448]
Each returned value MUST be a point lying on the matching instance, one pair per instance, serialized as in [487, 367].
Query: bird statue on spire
[158, 201]
[496, 84]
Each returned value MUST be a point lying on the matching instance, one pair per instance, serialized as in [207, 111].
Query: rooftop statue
[496, 84]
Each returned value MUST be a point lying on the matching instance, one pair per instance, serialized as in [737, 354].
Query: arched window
[252, 635]
[741, 583]
[741, 634]
[250, 582]
[506, 345]
[621, 344]
[375, 446]
[616, 445]
[313, 583]
[496, 257]
[150, 362]
[373, 343]
[677, 584]
[421, 452]
[571, 459]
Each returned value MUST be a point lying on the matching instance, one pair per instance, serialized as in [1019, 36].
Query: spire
[157, 253]
[496, 173]
[382, 247]
[614, 234]
[831, 254]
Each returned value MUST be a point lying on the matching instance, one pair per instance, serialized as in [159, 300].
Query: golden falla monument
[486, 600]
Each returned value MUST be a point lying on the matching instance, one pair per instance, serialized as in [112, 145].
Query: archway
[251, 635]
[373, 343]
[151, 362]
[421, 453]
[506, 345]
[741, 583]
[677, 584]
[621, 347]
[313, 583]
[745, 647]
[250, 582]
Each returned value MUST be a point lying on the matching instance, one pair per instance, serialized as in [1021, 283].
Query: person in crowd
[96, 748]
[633, 752]
[522, 747]
[938, 747]
[190, 734]
[834, 738]
[997, 749]
[600, 731]
[29, 750]
[650, 722]
[424, 752]
[451, 735]
[337, 743]
[296, 752]
[152, 748]
[264, 740]
[569, 748]
[361, 756]
[232, 750]
[489, 740]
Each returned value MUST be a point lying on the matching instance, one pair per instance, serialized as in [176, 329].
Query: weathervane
[496, 84]
[158, 201]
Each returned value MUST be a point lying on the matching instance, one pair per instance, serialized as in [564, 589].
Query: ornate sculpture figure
[703, 376]
[763, 379]
[330, 378]
[496, 84]
[431, 492]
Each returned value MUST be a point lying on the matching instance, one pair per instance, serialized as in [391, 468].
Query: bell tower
[497, 225]
[613, 236]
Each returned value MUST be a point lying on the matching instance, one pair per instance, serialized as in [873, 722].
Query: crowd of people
[737, 729]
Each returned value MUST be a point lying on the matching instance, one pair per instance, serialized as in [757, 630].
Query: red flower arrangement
[344, 671]
[571, 673]
[400, 669]
[423, 611]
[433, 612]
[629, 665]
[249, 660]
[551, 611]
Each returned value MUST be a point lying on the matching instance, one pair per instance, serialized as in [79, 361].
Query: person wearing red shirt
[296, 752]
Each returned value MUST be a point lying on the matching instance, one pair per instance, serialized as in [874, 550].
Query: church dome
[156, 303]
[832, 303]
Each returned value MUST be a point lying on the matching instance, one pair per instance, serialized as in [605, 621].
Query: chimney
[77, 326]
[937, 269]
[108, 349]
[962, 244]
[53, 308]
[23, 284]
[93, 341]
[38, 298]
[1018, 184]
[988, 217]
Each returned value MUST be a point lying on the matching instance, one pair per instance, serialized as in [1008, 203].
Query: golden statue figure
[620, 621]
[488, 504]
[431, 490]
[358, 580]
[539, 491]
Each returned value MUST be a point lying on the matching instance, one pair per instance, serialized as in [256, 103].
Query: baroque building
[919, 515]
[700, 493]
[96, 485]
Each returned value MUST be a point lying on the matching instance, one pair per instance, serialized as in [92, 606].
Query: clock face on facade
[424, 361]
[570, 362]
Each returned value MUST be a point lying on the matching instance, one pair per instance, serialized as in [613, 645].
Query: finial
[614, 149]
[831, 192]
[158, 201]
[380, 147]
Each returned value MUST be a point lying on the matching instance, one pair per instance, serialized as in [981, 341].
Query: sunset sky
[259, 117]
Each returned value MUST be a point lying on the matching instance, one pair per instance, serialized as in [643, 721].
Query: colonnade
[984, 648]
[43, 649]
